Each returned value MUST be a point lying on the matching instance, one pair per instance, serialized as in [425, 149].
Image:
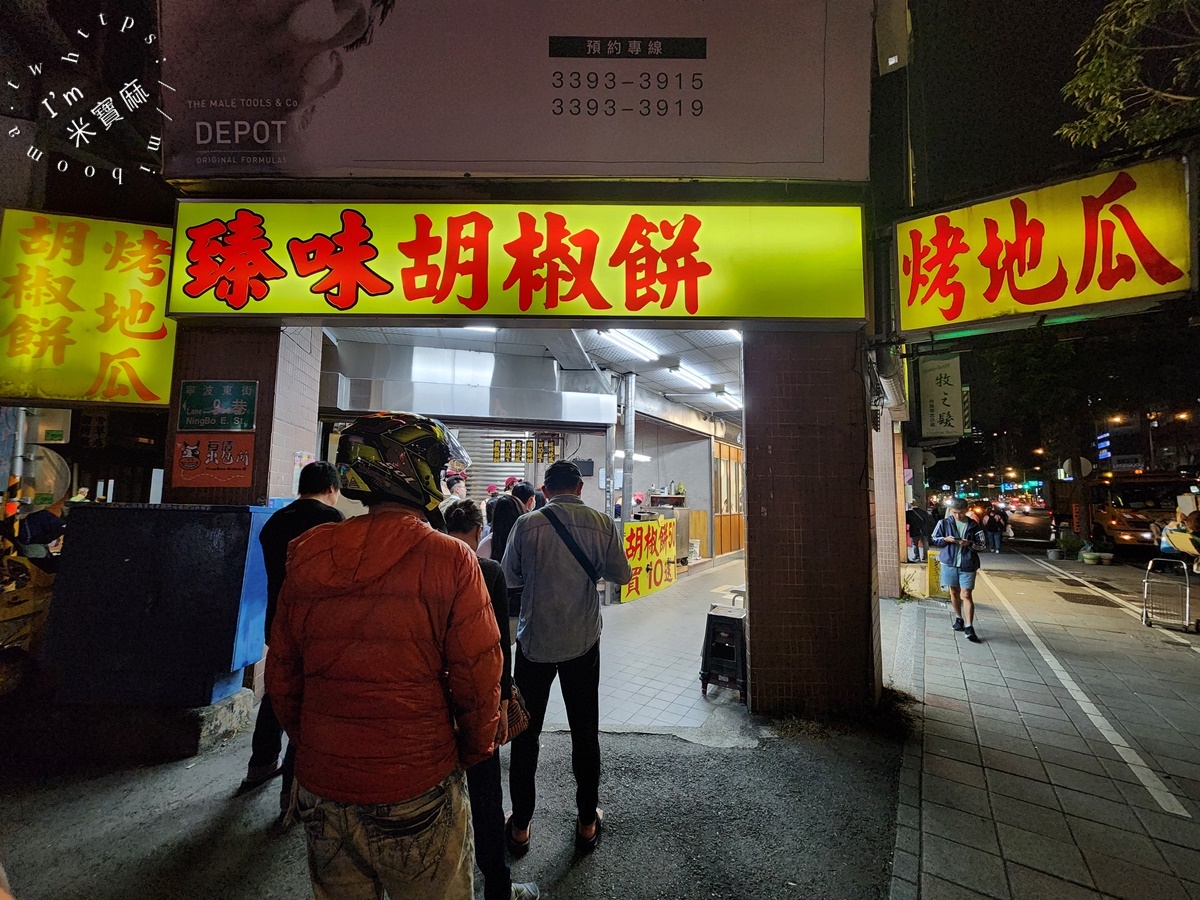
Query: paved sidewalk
[650, 658]
[1060, 758]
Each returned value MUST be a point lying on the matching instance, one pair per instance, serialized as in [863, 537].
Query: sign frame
[832, 227]
[970, 253]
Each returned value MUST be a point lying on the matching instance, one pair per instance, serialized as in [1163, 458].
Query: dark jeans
[580, 679]
[487, 818]
[268, 739]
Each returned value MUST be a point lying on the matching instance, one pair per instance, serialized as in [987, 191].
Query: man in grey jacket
[555, 556]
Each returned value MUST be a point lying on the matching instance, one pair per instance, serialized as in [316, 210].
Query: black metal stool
[723, 659]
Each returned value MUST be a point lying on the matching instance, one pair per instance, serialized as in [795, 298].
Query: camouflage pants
[419, 848]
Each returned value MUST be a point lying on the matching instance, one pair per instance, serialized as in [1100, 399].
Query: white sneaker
[526, 891]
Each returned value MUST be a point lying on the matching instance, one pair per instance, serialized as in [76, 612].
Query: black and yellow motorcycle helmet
[398, 457]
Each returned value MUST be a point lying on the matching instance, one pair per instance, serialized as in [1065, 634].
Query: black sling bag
[571, 544]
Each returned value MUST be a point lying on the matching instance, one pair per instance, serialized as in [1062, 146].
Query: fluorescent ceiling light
[737, 334]
[637, 457]
[630, 344]
[487, 328]
[692, 378]
[730, 399]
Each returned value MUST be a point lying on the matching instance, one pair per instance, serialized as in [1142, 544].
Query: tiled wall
[294, 426]
[888, 538]
[812, 626]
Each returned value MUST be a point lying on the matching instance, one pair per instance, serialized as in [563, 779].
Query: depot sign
[82, 304]
[515, 260]
[1121, 235]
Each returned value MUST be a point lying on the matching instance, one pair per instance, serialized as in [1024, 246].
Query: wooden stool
[723, 658]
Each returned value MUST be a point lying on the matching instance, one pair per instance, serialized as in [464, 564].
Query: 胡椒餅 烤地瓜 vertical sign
[598, 261]
[82, 310]
[1061, 251]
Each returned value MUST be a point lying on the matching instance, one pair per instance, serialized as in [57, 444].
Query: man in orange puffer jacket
[385, 671]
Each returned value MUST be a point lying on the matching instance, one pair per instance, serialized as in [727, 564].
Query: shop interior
[519, 398]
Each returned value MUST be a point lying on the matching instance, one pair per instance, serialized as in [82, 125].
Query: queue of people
[391, 672]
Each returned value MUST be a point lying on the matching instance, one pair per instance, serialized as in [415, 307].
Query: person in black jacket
[319, 489]
[919, 528]
[465, 522]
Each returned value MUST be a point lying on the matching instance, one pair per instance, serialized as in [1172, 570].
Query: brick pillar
[286, 363]
[813, 619]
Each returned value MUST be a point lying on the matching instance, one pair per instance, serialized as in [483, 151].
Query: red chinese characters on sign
[551, 264]
[136, 312]
[1116, 267]
[49, 240]
[116, 368]
[343, 257]
[548, 269]
[466, 256]
[932, 266]
[35, 286]
[230, 259]
[35, 338]
[634, 541]
[647, 267]
[147, 255]
[1066, 244]
[1006, 260]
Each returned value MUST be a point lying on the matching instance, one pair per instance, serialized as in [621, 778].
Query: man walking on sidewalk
[958, 536]
[556, 556]
[319, 485]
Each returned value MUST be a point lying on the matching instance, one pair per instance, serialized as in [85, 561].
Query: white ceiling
[715, 355]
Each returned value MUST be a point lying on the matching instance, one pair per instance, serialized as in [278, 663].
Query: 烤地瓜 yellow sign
[82, 310]
[1121, 235]
[631, 261]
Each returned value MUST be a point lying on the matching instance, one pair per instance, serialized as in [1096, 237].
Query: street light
[1040, 451]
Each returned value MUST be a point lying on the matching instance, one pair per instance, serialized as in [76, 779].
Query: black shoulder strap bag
[574, 547]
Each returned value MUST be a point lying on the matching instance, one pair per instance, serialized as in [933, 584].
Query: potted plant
[1066, 546]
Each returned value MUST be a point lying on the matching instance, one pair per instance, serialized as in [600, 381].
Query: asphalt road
[809, 817]
[1030, 526]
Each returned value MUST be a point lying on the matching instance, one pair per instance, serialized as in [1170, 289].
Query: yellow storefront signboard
[388, 259]
[1117, 236]
[82, 310]
[650, 549]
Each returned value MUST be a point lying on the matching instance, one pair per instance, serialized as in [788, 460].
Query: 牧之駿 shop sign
[82, 310]
[381, 259]
[1122, 235]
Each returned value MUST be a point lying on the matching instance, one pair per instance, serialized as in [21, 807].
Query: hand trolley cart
[1167, 595]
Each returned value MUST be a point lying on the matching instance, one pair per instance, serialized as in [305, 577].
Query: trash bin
[157, 604]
